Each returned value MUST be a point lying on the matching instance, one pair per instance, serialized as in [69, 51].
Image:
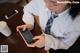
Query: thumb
[24, 28]
[36, 37]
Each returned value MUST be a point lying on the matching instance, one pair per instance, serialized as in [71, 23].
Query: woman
[60, 23]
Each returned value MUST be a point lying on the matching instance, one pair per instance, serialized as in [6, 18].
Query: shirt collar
[60, 14]
[64, 12]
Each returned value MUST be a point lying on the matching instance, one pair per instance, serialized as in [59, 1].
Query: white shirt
[63, 25]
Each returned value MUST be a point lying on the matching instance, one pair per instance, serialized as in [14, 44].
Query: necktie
[49, 23]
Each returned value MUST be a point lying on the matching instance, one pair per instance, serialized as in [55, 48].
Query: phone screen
[27, 35]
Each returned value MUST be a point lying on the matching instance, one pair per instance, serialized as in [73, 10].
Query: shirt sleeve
[69, 39]
[30, 10]
[51, 42]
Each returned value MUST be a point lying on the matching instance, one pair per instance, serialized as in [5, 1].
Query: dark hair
[75, 9]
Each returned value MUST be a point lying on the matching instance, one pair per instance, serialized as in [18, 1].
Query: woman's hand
[24, 27]
[39, 43]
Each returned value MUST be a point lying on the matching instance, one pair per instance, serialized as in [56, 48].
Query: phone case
[27, 36]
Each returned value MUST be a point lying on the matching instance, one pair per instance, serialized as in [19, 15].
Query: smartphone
[27, 36]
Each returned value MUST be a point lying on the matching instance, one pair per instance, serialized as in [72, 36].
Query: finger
[17, 28]
[30, 45]
[24, 28]
[37, 44]
[36, 37]
[21, 27]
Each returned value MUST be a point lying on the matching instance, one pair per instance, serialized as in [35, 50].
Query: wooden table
[14, 41]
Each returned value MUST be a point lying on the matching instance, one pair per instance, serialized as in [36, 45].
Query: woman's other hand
[39, 43]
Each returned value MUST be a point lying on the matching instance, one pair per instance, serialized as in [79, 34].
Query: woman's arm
[30, 10]
[51, 42]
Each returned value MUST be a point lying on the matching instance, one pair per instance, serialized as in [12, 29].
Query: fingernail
[23, 29]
